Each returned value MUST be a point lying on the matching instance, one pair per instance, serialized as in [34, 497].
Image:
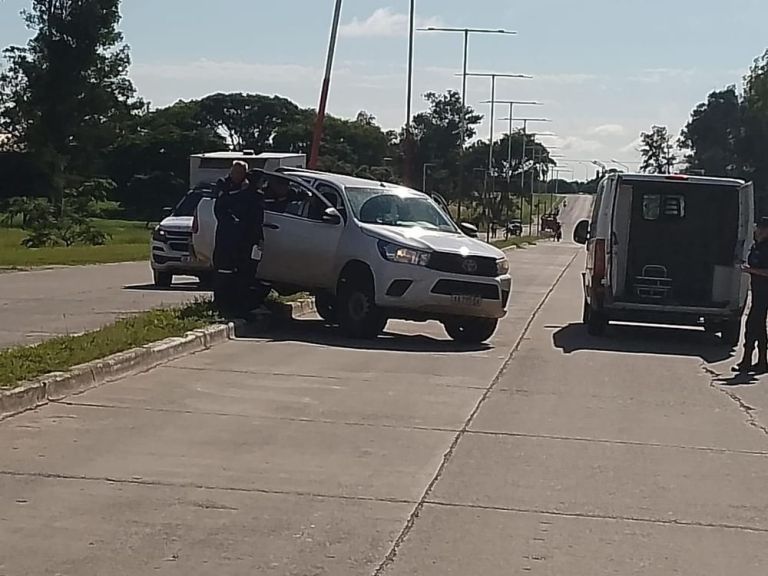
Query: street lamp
[493, 76]
[627, 168]
[466, 32]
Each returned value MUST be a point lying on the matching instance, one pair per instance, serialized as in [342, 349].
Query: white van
[668, 249]
[371, 251]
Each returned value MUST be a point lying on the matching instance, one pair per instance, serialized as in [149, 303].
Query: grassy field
[21, 364]
[129, 242]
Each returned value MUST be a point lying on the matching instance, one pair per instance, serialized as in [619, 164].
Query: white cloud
[658, 75]
[608, 130]
[566, 78]
[632, 146]
[384, 23]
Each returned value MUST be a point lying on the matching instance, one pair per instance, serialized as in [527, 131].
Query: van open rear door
[746, 235]
[619, 238]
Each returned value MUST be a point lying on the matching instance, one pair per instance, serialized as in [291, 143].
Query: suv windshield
[398, 207]
[189, 203]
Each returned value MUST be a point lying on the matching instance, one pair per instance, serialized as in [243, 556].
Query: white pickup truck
[371, 252]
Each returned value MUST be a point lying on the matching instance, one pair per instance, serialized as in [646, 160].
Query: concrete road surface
[43, 303]
[547, 452]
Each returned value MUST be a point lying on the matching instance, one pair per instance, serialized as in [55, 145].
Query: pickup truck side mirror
[167, 211]
[332, 216]
[581, 232]
[469, 229]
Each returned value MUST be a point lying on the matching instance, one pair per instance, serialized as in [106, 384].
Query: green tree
[713, 135]
[657, 150]
[755, 141]
[247, 121]
[65, 96]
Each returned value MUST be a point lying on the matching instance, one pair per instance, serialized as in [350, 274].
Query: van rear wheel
[597, 322]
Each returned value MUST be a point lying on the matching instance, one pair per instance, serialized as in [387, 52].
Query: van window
[668, 206]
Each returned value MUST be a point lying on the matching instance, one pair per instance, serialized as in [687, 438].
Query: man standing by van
[757, 332]
[239, 211]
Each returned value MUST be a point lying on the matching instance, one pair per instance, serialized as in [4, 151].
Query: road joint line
[392, 554]
[588, 516]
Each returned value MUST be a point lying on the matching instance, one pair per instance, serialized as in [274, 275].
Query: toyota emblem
[469, 266]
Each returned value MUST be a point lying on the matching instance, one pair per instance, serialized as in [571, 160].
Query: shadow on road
[321, 334]
[178, 287]
[644, 340]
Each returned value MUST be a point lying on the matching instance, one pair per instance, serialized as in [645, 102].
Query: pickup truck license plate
[467, 300]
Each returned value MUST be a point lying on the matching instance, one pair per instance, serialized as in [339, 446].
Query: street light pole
[493, 76]
[409, 96]
[317, 136]
[466, 32]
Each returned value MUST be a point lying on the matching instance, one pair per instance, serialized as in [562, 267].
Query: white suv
[371, 252]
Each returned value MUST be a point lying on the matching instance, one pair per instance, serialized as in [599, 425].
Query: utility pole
[317, 136]
[409, 98]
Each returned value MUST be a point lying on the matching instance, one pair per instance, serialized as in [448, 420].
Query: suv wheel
[358, 315]
[471, 330]
[327, 307]
[162, 279]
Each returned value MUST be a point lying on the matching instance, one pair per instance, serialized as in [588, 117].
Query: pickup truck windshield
[392, 207]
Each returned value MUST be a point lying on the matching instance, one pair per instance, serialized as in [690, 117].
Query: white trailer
[209, 167]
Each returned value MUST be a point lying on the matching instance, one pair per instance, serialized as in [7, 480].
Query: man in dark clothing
[756, 330]
[239, 211]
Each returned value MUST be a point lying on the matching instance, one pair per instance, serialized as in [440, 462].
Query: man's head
[239, 172]
[761, 230]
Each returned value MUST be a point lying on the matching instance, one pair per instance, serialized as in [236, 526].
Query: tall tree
[247, 121]
[65, 95]
[713, 135]
[755, 141]
[658, 151]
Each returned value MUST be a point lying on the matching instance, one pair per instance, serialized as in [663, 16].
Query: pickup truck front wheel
[358, 315]
[471, 330]
[162, 279]
[327, 307]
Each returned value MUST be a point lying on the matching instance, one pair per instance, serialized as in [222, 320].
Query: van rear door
[618, 242]
[746, 236]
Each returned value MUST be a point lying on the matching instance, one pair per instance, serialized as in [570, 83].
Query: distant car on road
[171, 246]
[371, 252]
[515, 228]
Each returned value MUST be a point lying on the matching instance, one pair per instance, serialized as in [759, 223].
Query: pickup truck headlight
[403, 255]
[159, 235]
[502, 266]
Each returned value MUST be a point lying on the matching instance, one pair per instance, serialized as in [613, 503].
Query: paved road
[40, 304]
[547, 452]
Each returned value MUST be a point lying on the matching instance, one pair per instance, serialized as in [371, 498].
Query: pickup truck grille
[179, 241]
[465, 265]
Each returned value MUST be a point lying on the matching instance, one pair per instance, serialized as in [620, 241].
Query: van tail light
[598, 264]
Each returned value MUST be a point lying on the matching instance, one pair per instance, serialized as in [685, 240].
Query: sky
[605, 70]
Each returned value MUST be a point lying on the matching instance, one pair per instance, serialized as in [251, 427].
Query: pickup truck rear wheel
[358, 315]
[471, 330]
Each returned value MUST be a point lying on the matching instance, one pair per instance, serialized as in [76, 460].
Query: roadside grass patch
[24, 363]
[128, 242]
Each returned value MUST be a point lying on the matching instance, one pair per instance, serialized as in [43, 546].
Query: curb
[58, 385]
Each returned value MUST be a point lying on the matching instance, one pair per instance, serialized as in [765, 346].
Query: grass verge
[25, 363]
[129, 242]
